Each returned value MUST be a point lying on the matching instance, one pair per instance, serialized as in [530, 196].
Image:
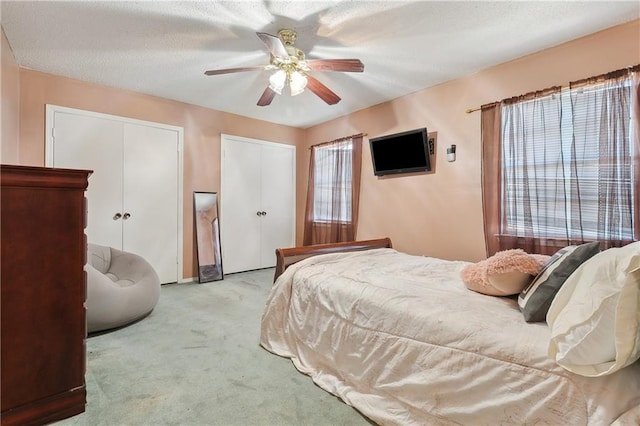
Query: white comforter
[401, 339]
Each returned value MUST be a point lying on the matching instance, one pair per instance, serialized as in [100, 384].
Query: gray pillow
[536, 298]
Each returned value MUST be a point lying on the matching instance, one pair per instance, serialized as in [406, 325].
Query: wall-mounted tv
[405, 152]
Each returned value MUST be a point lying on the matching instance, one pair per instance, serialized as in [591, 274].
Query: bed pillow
[505, 273]
[535, 299]
[595, 317]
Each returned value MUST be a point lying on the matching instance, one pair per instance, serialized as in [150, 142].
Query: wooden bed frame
[286, 257]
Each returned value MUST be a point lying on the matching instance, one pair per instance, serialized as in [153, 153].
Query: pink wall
[202, 129]
[10, 94]
[440, 214]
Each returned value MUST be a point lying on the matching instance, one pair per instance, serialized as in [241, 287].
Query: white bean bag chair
[121, 288]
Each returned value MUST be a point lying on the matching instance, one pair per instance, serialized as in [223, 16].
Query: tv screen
[405, 152]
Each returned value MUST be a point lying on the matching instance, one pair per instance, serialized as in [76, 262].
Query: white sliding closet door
[134, 190]
[257, 202]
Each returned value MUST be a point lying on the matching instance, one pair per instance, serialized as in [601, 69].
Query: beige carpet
[196, 361]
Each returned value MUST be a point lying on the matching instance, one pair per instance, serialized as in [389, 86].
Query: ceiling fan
[290, 66]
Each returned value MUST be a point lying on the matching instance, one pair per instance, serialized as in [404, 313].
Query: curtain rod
[339, 139]
[632, 68]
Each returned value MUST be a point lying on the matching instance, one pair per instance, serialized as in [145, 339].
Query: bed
[404, 341]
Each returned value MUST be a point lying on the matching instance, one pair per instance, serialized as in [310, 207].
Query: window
[333, 177]
[567, 167]
[331, 213]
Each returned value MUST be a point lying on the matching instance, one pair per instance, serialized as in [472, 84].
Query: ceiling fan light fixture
[297, 83]
[277, 81]
[290, 67]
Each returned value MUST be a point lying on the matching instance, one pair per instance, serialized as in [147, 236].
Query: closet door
[94, 144]
[150, 197]
[257, 202]
[277, 199]
[133, 195]
[240, 219]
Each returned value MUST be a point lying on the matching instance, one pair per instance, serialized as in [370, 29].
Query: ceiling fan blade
[274, 44]
[267, 97]
[232, 70]
[342, 65]
[322, 91]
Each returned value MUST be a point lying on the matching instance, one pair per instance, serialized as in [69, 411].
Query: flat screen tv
[405, 152]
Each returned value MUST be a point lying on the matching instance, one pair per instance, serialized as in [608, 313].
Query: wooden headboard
[286, 257]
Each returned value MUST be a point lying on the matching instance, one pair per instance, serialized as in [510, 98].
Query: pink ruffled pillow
[504, 274]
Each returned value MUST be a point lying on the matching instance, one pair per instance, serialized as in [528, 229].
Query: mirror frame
[207, 230]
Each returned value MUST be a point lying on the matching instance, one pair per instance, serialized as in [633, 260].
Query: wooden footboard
[286, 257]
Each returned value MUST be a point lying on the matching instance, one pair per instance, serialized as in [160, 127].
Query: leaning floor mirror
[205, 212]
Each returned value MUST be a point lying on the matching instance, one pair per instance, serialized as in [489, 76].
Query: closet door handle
[126, 216]
[117, 216]
[264, 213]
[259, 213]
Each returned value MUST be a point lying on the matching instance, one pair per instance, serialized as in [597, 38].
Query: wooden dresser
[43, 290]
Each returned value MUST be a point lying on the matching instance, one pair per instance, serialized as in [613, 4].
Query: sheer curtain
[602, 136]
[333, 192]
[561, 166]
[524, 183]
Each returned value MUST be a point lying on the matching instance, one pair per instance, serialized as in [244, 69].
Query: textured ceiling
[163, 47]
